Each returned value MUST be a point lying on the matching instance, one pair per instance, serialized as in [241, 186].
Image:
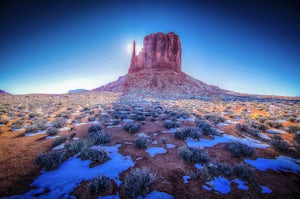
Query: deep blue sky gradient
[244, 46]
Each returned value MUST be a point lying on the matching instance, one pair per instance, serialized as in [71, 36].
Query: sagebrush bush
[131, 127]
[50, 161]
[59, 141]
[205, 127]
[243, 172]
[293, 129]
[273, 124]
[214, 118]
[183, 133]
[279, 144]
[140, 142]
[245, 128]
[138, 182]
[94, 129]
[193, 154]
[99, 137]
[219, 169]
[52, 130]
[59, 122]
[99, 155]
[238, 149]
[170, 124]
[100, 183]
[31, 129]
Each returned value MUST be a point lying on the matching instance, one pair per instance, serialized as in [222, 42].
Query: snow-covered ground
[152, 151]
[224, 139]
[62, 181]
[281, 163]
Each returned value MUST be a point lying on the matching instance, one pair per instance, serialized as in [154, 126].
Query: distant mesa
[2, 92]
[156, 70]
[77, 91]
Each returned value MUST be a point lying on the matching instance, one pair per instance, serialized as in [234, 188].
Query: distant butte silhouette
[156, 70]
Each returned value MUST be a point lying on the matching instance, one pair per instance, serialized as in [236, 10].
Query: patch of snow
[139, 158]
[22, 129]
[128, 142]
[64, 129]
[219, 184]
[230, 122]
[155, 134]
[62, 181]
[186, 179]
[264, 137]
[143, 135]
[157, 195]
[206, 187]
[155, 142]
[248, 141]
[281, 163]
[61, 146]
[52, 137]
[171, 130]
[198, 166]
[33, 134]
[76, 138]
[95, 122]
[127, 120]
[275, 131]
[181, 119]
[170, 146]
[281, 121]
[265, 189]
[152, 151]
[79, 124]
[222, 124]
[241, 184]
[115, 126]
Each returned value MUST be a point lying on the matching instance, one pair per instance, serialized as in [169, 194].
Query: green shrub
[238, 149]
[50, 161]
[52, 130]
[131, 127]
[193, 154]
[59, 141]
[99, 155]
[138, 182]
[170, 124]
[140, 142]
[100, 183]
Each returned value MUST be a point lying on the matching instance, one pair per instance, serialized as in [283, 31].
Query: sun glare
[138, 49]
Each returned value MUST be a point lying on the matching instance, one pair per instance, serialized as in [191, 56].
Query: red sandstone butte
[156, 70]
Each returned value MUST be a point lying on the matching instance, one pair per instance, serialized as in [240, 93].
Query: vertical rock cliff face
[160, 51]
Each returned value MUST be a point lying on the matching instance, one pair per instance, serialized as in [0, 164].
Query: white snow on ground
[52, 137]
[281, 163]
[61, 146]
[152, 151]
[33, 134]
[157, 195]
[170, 146]
[241, 184]
[94, 122]
[264, 137]
[64, 129]
[222, 124]
[115, 126]
[275, 131]
[230, 122]
[79, 124]
[181, 119]
[143, 135]
[198, 166]
[265, 189]
[224, 139]
[155, 142]
[62, 181]
[186, 179]
[127, 120]
[171, 130]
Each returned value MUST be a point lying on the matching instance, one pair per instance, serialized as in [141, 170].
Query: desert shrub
[52, 130]
[242, 172]
[50, 161]
[183, 133]
[18, 124]
[238, 149]
[140, 118]
[219, 169]
[292, 119]
[31, 129]
[59, 122]
[131, 127]
[99, 155]
[1, 132]
[273, 124]
[279, 144]
[59, 141]
[293, 129]
[261, 119]
[245, 128]
[205, 174]
[74, 147]
[297, 137]
[138, 182]
[214, 118]
[170, 124]
[33, 115]
[256, 125]
[205, 127]
[94, 129]
[165, 140]
[3, 121]
[193, 154]
[140, 142]
[99, 137]
[91, 119]
[100, 183]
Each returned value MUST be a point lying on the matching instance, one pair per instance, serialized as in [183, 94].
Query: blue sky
[55, 46]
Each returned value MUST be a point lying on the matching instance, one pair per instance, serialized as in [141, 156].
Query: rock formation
[160, 51]
[156, 70]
